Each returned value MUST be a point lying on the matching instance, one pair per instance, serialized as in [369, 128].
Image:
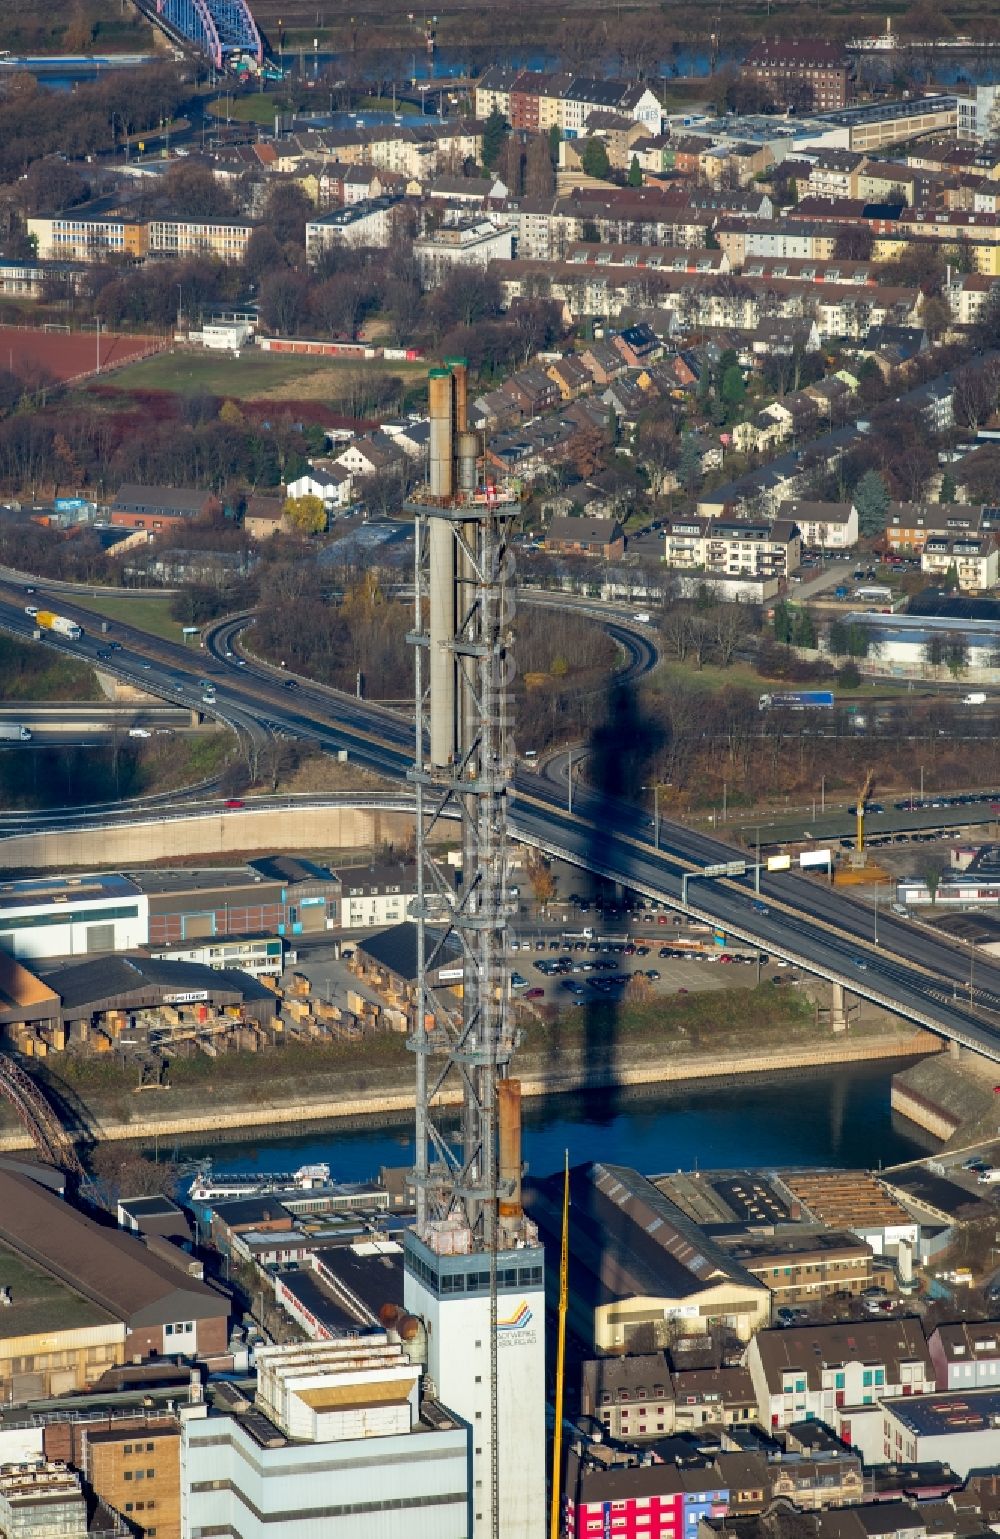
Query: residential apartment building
[833, 173]
[978, 113]
[629, 1396]
[972, 559]
[368, 223]
[824, 525]
[733, 546]
[800, 73]
[467, 243]
[810, 1372]
[956, 1429]
[717, 1397]
[536, 101]
[373, 896]
[966, 1355]
[638, 1499]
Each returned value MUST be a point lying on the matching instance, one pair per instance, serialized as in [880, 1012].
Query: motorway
[911, 970]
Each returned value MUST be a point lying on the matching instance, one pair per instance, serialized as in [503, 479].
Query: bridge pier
[954, 1048]
[197, 717]
[838, 1007]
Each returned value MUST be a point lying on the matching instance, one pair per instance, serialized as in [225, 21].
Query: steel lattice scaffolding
[466, 546]
[472, 1244]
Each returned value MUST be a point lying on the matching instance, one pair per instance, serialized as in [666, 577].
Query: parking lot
[553, 971]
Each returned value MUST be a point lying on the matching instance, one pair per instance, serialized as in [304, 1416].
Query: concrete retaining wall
[917, 1108]
[233, 832]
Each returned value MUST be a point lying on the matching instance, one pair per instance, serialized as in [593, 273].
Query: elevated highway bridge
[907, 968]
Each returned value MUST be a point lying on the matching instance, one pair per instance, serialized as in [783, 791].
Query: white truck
[10, 732]
[977, 697]
[58, 624]
[989, 1177]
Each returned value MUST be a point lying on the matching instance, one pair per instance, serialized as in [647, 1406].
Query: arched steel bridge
[221, 29]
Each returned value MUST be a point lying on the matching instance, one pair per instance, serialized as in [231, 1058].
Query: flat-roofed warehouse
[71, 915]
[637, 1260]
[70, 1001]
[163, 1309]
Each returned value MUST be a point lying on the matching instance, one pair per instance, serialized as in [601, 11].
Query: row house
[571, 376]
[909, 525]
[532, 391]
[493, 88]
[980, 251]
[535, 100]
[681, 259]
[639, 1499]
[636, 1396]
[833, 173]
[969, 296]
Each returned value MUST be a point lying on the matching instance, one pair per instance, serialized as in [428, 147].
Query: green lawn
[258, 108]
[253, 375]
[147, 613]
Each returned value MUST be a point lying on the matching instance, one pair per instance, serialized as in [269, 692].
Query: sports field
[256, 376]
[53, 357]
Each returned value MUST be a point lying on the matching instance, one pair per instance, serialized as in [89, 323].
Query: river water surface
[835, 1117]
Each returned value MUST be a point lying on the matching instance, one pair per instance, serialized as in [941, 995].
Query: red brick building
[800, 73]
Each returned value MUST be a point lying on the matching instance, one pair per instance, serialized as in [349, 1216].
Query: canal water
[838, 1118]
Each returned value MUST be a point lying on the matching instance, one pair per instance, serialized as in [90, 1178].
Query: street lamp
[656, 788]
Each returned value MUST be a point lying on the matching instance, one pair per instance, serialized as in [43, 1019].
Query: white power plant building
[341, 1441]
[452, 1294]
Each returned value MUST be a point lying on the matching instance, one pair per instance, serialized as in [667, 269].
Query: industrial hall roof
[106, 1266]
[629, 1239]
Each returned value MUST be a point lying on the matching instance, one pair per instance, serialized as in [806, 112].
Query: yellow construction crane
[859, 838]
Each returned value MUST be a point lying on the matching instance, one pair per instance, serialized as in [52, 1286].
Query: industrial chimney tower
[474, 1268]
